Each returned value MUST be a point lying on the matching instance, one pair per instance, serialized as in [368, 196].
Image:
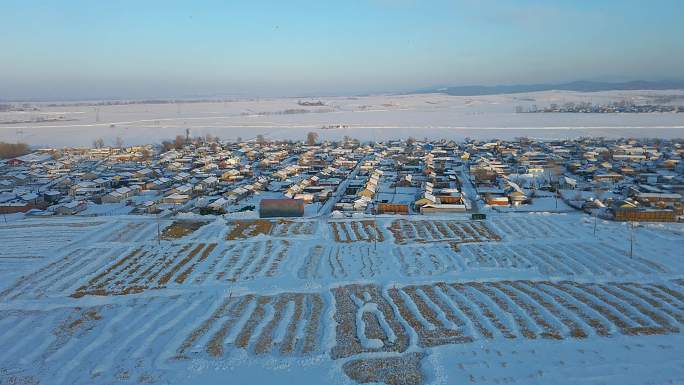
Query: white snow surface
[376, 117]
[103, 300]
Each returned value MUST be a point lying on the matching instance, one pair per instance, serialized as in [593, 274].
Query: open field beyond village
[373, 117]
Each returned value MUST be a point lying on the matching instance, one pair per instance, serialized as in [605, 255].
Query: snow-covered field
[367, 118]
[525, 298]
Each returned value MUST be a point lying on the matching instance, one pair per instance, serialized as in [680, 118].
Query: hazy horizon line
[441, 88]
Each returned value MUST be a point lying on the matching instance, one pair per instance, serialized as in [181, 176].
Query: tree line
[13, 150]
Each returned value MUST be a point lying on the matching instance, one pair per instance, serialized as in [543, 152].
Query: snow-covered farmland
[517, 298]
[375, 117]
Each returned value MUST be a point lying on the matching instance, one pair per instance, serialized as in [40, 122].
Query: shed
[71, 208]
[272, 208]
[438, 208]
[393, 208]
[644, 215]
[176, 199]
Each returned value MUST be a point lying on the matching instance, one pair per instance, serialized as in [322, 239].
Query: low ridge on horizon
[458, 90]
[578, 86]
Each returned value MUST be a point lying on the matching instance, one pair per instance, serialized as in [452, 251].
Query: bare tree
[260, 139]
[167, 145]
[578, 196]
[483, 175]
[554, 173]
[632, 225]
[12, 150]
[98, 143]
[215, 145]
[179, 142]
[311, 138]
[598, 191]
[119, 142]
[606, 155]
[146, 154]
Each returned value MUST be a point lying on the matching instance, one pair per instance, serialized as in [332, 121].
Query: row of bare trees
[12, 150]
[180, 140]
[100, 143]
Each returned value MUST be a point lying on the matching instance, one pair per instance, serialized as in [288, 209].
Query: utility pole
[158, 230]
[631, 239]
[375, 223]
[556, 193]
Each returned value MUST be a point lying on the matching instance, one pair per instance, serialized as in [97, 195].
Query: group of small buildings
[199, 177]
[64, 181]
[406, 177]
[620, 107]
[621, 179]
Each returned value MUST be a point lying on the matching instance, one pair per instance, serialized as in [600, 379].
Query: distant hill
[581, 86]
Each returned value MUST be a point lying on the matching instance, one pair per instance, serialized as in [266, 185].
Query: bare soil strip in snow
[180, 229]
[285, 228]
[249, 260]
[83, 344]
[397, 302]
[356, 231]
[559, 259]
[351, 304]
[520, 227]
[380, 333]
[42, 238]
[61, 275]
[286, 323]
[338, 261]
[402, 370]
[440, 313]
[424, 231]
[172, 265]
[249, 228]
[372, 320]
[433, 324]
[436, 259]
[36, 223]
[147, 268]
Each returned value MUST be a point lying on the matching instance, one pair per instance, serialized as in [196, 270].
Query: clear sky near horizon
[165, 48]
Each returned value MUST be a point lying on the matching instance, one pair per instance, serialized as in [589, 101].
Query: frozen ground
[526, 298]
[367, 118]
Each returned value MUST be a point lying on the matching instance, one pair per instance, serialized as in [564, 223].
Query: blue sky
[154, 48]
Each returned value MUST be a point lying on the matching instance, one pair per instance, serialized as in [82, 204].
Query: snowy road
[468, 189]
